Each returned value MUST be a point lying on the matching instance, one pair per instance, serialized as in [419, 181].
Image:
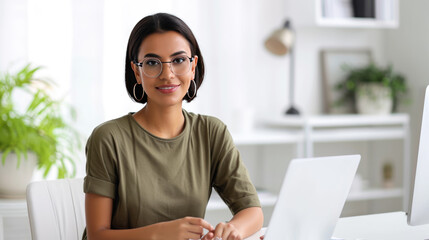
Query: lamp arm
[292, 110]
[291, 76]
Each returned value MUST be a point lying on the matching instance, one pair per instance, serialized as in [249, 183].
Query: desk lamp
[280, 43]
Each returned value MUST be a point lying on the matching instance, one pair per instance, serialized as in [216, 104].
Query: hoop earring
[195, 90]
[134, 93]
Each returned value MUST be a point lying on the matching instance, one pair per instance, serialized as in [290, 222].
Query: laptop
[312, 197]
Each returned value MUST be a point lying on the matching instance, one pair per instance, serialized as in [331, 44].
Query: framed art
[333, 69]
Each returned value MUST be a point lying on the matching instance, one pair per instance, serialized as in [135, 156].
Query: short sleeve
[101, 174]
[230, 177]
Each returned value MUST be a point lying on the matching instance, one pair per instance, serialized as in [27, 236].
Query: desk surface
[386, 226]
[389, 226]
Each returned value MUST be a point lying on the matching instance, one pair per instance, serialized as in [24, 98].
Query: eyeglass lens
[152, 67]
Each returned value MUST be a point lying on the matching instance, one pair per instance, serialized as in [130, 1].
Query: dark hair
[159, 23]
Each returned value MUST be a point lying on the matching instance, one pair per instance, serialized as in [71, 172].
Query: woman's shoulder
[205, 120]
[110, 127]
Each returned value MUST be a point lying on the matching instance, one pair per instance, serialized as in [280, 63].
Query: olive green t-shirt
[152, 179]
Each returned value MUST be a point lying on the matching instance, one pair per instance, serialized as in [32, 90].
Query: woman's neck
[166, 122]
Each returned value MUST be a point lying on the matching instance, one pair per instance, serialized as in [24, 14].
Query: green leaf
[4, 155]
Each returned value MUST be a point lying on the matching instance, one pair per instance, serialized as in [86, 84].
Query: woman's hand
[224, 231]
[184, 228]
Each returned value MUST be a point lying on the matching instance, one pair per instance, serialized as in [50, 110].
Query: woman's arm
[98, 211]
[248, 221]
[242, 225]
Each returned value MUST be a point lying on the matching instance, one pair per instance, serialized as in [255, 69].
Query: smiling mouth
[167, 88]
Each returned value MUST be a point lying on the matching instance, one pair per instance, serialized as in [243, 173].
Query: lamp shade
[280, 41]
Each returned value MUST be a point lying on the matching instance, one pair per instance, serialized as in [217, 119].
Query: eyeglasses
[152, 67]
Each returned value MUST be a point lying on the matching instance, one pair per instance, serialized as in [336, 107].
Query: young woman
[150, 173]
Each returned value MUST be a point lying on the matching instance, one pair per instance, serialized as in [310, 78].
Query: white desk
[385, 226]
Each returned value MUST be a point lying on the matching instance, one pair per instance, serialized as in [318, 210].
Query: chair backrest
[56, 209]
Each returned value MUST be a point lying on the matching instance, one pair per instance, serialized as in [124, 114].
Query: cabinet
[354, 128]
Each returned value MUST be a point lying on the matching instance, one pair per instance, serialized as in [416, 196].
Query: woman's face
[168, 88]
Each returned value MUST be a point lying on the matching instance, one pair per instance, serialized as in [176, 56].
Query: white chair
[56, 209]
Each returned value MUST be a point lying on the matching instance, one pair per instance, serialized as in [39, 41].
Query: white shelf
[357, 134]
[373, 194]
[347, 120]
[352, 127]
[14, 224]
[216, 203]
[349, 128]
[356, 23]
[267, 136]
[13, 207]
[387, 16]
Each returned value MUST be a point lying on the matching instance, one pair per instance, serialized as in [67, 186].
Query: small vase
[374, 99]
[13, 179]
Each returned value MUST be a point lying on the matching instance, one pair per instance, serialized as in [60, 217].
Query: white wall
[13, 37]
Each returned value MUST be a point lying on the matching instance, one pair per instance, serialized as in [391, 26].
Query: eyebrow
[157, 56]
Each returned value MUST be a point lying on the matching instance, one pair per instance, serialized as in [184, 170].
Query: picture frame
[332, 71]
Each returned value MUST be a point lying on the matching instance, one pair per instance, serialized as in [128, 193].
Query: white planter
[13, 180]
[374, 99]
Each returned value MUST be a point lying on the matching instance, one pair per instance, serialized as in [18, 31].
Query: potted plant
[372, 89]
[33, 133]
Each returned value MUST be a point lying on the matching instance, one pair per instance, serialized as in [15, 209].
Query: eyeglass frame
[140, 65]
